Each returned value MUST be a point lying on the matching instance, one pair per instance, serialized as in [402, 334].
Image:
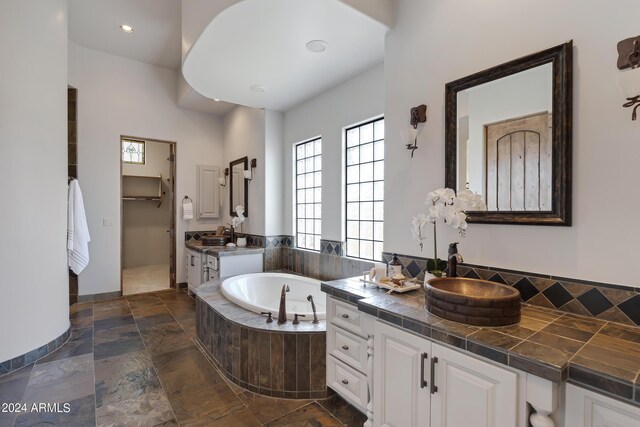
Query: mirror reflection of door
[518, 164]
[238, 186]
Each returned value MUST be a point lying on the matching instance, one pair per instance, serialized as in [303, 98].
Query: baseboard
[99, 297]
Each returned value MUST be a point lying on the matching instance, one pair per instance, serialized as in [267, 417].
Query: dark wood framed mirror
[238, 186]
[508, 138]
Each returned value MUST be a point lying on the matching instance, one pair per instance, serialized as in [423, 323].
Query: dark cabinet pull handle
[423, 358]
[345, 347]
[345, 316]
[345, 382]
[434, 388]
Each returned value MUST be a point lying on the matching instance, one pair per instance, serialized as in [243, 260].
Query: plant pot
[241, 242]
[427, 277]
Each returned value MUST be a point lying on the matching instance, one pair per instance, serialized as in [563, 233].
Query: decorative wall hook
[418, 115]
[223, 181]
[629, 57]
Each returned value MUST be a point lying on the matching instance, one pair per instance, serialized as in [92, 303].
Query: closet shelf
[144, 197]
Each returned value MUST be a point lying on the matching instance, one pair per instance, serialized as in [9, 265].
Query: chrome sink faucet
[454, 259]
[282, 312]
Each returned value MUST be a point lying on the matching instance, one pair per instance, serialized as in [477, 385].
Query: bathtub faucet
[313, 307]
[282, 312]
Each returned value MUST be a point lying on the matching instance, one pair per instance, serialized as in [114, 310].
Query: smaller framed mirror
[508, 138]
[238, 186]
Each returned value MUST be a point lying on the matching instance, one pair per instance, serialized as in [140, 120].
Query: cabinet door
[588, 409]
[471, 392]
[208, 190]
[400, 396]
[197, 269]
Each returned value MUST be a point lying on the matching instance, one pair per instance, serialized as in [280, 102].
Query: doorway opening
[147, 207]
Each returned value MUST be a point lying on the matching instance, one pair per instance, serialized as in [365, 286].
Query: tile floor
[148, 278]
[133, 362]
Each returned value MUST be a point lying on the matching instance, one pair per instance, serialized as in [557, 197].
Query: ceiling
[258, 42]
[251, 42]
[157, 34]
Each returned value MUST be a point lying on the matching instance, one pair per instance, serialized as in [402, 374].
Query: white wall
[274, 173]
[34, 308]
[356, 100]
[146, 241]
[117, 96]
[438, 41]
[244, 135]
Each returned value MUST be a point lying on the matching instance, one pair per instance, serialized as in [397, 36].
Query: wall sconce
[418, 115]
[223, 181]
[629, 78]
[248, 174]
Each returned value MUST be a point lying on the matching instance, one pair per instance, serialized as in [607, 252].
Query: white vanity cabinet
[401, 394]
[350, 354]
[471, 392]
[585, 408]
[421, 383]
[194, 269]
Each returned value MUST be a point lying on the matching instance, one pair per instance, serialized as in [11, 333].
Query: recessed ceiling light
[216, 99]
[258, 88]
[317, 46]
[126, 28]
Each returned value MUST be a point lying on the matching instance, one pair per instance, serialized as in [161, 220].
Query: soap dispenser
[394, 266]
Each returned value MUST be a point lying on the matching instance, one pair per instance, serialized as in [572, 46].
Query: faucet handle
[268, 314]
[295, 318]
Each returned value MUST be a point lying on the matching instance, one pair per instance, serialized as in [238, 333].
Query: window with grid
[309, 194]
[133, 151]
[365, 190]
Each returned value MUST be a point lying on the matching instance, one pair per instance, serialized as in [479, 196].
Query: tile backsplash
[615, 303]
[601, 300]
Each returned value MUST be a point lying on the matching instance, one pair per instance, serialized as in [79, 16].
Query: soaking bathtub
[260, 292]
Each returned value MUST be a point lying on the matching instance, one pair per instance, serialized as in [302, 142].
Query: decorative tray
[407, 286]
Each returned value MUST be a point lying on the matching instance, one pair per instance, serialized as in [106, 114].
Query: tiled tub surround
[548, 343]
[36, 354]
[614, 303]
[266, 358]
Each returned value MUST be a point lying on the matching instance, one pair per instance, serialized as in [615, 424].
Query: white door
[588, 409]
[401, 366]
[471, 392]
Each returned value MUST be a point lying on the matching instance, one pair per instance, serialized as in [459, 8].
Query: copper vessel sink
[473, 301]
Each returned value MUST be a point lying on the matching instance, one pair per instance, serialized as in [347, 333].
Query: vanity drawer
[347, 382]
[346, 316]
[348, 347]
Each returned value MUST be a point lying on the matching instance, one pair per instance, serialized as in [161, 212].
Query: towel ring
[186, 198]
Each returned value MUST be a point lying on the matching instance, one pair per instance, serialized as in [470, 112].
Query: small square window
[133, 151]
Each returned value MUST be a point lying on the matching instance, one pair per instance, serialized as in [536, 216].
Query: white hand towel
[187, 210]
[78, 237]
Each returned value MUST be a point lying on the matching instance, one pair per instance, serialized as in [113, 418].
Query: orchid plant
[444, 204]
[236, 221]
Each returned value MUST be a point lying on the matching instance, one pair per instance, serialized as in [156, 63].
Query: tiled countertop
[223, 250]
[551, 344]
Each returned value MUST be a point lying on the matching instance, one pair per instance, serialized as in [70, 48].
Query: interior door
[519, 164]
[470, 392]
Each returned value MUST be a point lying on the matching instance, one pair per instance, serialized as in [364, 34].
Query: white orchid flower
[436, 212]
[441, 195]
